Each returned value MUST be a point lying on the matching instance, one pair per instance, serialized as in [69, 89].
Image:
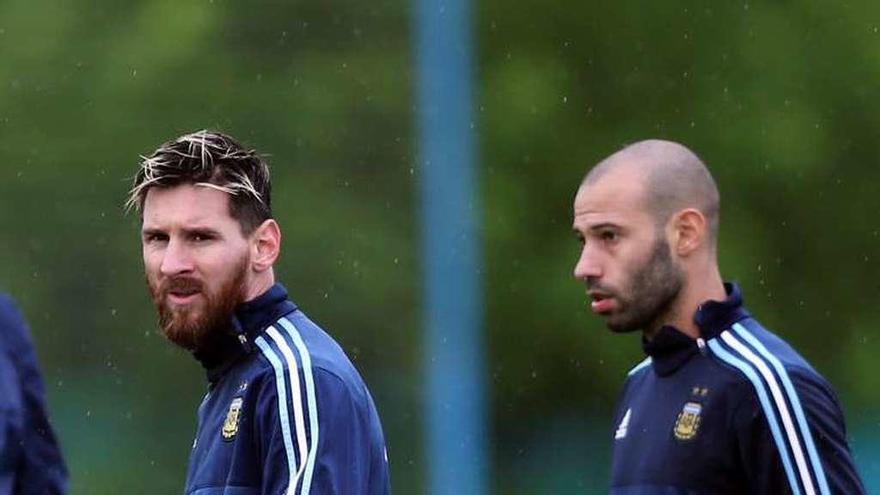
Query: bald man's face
[625, 259]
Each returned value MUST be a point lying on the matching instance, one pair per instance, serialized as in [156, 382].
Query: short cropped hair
[675, 178]
[211, 159]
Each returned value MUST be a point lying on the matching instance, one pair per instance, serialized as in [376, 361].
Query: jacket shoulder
[776, 372]
[642, 367]
[750, 342]
[296, 342]
[787, 393]
[16, 340]
[15, 334]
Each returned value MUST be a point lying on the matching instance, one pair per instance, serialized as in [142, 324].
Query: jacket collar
[714, 317]
[249, 320]
[252, 317]
[670, 348]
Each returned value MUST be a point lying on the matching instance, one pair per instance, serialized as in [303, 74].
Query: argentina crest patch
[230, 426]
[688, 421]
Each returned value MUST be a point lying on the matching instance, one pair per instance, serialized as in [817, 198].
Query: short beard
[653, 288]
[195, 330]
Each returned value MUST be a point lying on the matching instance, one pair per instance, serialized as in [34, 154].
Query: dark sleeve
[351, 451]
[41, 467]
[818, 457]
[758, 451]
[326, 442]
[828, 428]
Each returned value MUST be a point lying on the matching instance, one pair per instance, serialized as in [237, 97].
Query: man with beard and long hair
[721, 405]
[286, 412]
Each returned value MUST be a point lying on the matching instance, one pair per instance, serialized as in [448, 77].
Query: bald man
[721, 405]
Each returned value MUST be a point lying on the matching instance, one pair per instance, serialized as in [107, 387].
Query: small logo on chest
[230, 426]
[688, 421]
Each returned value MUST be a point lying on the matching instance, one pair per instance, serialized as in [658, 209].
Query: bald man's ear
[265, 245]
[689, 231]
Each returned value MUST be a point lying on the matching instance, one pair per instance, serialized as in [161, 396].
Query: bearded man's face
[196, 261]
[631, 277]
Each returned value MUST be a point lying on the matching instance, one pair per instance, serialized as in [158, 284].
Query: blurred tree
[779, 99]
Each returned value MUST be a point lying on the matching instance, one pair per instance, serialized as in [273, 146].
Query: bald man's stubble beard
[653, 290]
[191, 328]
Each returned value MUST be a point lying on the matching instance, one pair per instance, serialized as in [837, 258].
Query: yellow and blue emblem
[688, 421]
[230, 426]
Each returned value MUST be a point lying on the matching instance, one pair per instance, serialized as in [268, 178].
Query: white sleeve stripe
[296, 399]
[760, 390]
[743, 332]
[282, 401]
[310, 396]
[636, 368]
[781, 406]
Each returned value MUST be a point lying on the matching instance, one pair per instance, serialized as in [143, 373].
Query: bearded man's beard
[194, 326]
[649, 294]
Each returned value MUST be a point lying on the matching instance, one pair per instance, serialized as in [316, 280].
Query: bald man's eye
[609, 236]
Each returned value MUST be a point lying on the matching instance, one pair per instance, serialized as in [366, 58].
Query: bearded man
[286, 412]
[721, 405]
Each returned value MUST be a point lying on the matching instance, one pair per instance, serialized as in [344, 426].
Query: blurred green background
[781, 99]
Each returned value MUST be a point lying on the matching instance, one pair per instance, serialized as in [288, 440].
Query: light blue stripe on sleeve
[638, 367]
[795, 402]
[310, 395]
[765, 404]
[282, 402]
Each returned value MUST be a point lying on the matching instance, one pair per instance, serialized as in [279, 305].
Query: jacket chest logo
[688, 421]
[230, 426]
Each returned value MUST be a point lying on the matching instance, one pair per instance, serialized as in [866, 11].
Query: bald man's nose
[587, 265]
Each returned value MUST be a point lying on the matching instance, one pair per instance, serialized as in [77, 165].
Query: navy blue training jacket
[30, 460]
[286, 412]
[737, 411]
